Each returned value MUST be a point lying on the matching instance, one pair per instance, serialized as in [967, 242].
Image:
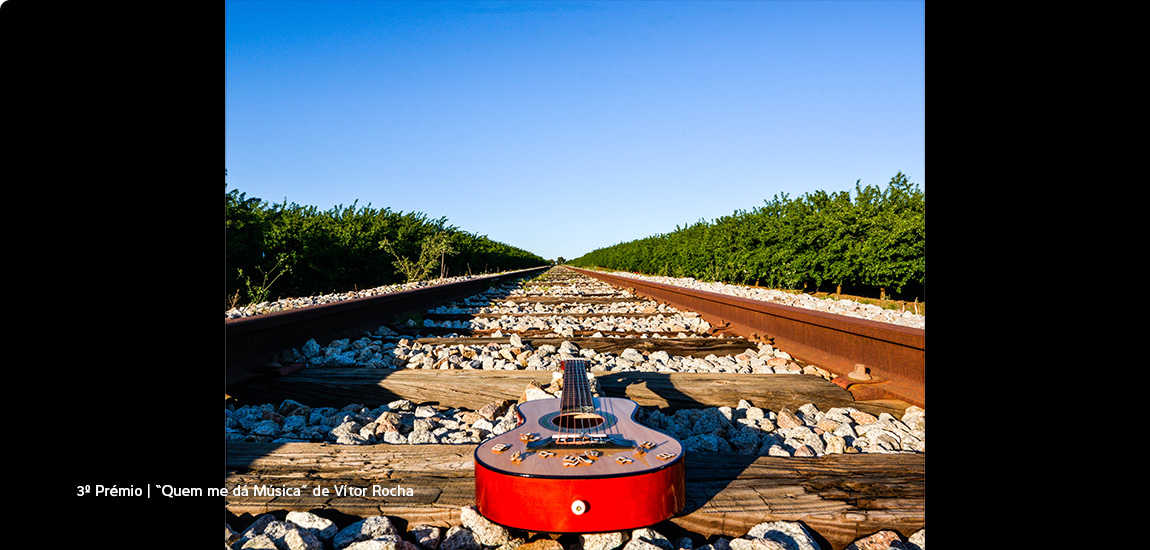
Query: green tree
[244, 227]
[301, 250]
[877, 240]
[433, 250]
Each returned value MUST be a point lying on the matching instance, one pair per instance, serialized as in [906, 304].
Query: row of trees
[872, 244]
[274, 250]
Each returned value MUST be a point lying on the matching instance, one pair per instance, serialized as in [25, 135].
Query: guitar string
[579, 399]
[569, 406]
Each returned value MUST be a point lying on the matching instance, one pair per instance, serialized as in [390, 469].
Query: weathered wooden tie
[472, 389]
[686, 347]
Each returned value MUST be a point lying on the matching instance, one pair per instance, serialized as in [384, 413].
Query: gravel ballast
[308, 531]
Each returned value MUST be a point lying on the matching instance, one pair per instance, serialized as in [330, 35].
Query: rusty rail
[250, 342]
[893, 356]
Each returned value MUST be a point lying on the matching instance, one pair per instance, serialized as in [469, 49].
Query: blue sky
[563, 127]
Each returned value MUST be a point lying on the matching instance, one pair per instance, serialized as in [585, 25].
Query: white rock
[757, 544]
[427, 536]
[369, 528]
[648, 539]
[486, 532]
[459, 538]
[602, 541]
[324, 529]
[790, 533]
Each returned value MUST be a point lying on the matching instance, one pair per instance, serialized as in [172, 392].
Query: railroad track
[444, 367]
[874, 360]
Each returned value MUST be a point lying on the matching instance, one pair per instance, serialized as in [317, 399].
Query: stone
[915, 419]
[805, 451]
[789, 368]
[708, 443]
[423, 425]
[773, 449]
[815, 442]
[745, 441]
[790, 533]
[710, 421]
[810, 413]
[258, 542]
[257, 527]
[291, 407]
[827, 425]
[756, 544]
[372, 527]
[845, 430]
[347, 427]
[535, 391]
[633, 355]
[648, 539]
[294, 423]
[382, 543]
[311, 349]
[402, 405]
[754, 413]
[387, 422]
[266, 428]
[882, 540]
[884, 441]
[324, 529]
[788, 419]
[486, 532]
[288, 536]
[602, 541]
[460, 538]
[917, 540]
[422, 437]
[542, 544]
[862, 418]
[427, 536]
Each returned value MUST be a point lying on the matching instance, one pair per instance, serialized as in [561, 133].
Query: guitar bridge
[581, 440]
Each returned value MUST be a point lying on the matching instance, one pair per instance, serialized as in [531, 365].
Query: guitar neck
[576, 396]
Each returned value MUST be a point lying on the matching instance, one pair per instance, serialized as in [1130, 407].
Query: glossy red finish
[613, 503]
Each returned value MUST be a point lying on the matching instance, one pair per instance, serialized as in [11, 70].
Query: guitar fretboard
[577, 396]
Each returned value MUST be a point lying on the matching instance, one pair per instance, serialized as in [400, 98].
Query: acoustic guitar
[579, 464]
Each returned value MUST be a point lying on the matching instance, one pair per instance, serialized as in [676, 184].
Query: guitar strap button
[578, 507]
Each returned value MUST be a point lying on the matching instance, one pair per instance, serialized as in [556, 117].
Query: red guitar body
[579, 464]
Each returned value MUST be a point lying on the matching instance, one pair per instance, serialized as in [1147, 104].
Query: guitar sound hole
[580, 421]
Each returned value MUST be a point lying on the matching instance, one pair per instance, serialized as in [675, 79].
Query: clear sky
[563, 127]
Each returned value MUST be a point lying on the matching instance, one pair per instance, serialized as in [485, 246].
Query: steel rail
[252, 342]
[872, 360]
